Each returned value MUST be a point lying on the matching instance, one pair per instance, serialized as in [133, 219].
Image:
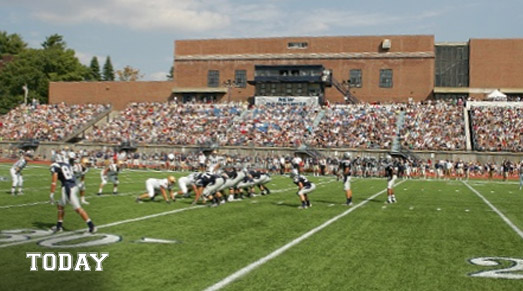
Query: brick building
[369, 68]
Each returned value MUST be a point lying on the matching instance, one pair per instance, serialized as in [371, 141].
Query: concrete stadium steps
[100, 119]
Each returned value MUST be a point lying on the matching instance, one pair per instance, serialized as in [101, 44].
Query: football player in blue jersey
[345, 166]
[391, 172]
[64, 172]
[304, 187]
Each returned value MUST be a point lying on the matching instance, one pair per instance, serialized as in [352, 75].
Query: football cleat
[93, 229]
[56, 229]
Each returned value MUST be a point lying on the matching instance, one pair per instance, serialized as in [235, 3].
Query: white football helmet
[347, 155]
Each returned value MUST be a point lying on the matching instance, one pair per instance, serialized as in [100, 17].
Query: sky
[141, 33]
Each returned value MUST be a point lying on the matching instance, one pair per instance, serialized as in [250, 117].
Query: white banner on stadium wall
[292, 101]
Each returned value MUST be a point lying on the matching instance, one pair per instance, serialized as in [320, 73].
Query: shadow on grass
[43, 225]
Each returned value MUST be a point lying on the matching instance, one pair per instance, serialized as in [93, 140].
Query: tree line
[34, 68]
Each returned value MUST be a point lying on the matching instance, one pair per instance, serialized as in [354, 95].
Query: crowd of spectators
[497, 128]
[46, 122]
[434, 126]
[356, 126]
[168, 123]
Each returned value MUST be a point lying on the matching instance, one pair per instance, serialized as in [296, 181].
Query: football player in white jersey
[16, 174]
[110, 174]
[80, 170]
[186, 181]
[154, 186]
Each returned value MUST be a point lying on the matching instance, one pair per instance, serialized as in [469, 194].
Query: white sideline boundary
[245, 270]
[507, 221]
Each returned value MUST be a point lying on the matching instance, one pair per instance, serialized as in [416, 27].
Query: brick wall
[117, 94]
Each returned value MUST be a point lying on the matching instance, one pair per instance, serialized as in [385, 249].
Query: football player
[80, 170]
[64, 172]
[154, 186]
[110, 174]
[183, 182]
[16, 174]
[260, 179]
[207, 186]
[391, 172]
[304, 187]
[345, 166]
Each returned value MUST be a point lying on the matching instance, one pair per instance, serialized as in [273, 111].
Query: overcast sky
[141, 33]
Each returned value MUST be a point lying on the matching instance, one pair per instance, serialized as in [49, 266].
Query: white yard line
[507, 221]
[101, 226]
[242, 272]
[115, 223]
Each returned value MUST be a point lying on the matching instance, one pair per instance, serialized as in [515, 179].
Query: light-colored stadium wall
[45, 148]
[118, 94]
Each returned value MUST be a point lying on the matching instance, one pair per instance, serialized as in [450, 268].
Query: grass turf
[423, 242]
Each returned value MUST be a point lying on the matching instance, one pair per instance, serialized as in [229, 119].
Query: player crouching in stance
[186, 181]
[64, 172]
[110, 174]
[391, 172]
[207, 186]
[304, 187]
[162, 185]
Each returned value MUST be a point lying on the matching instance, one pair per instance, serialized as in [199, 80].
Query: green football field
[441, 235]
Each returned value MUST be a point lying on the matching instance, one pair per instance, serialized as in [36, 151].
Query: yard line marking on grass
[507, 221]
[123, 194]
[245, 270]
[114, 223]
[102, 226]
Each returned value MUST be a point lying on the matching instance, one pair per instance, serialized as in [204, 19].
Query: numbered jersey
[20, 165]
[205, 179]
[113, 170]
[345, 166]
[303, 180]
[390, 171]
[79, 171]
[65, 174]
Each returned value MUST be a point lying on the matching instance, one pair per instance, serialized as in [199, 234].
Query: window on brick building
[355, 78]
[297, 45]
[240, 77]
[385, 78]
[213, 78]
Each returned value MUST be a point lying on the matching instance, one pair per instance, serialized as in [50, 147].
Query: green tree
[128, 73]
[54, 41]
[11, 44]
[94, 69]
[36, 68]
[108, 70]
